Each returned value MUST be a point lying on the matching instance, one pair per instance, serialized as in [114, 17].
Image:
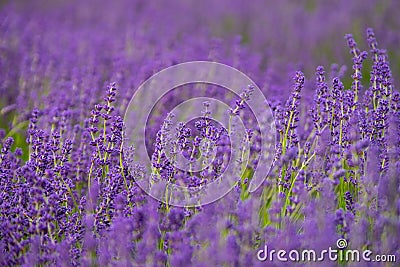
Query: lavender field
[74, 190]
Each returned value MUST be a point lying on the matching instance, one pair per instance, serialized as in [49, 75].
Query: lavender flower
[69, 194]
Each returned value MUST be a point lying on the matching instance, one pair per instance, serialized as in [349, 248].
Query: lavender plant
[68, 191]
